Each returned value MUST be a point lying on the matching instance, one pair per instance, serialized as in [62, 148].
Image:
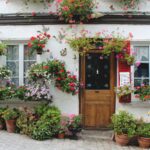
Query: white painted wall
[18, 6]
[68, 103]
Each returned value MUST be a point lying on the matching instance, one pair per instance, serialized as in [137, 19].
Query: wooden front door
[97, 98]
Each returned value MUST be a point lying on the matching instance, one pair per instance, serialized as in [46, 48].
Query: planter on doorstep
[122, 139]
[11, 125]
[125, 99]
[144, 142]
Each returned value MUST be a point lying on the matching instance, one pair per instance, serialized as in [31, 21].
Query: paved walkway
[90, 140]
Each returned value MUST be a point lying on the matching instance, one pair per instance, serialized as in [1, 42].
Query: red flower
[48, 35]
[61, 71]
[33, 14]
[72, 88]
[71, 84]
[58, 79]
[29, 45]
[32, 38]
[45, 67]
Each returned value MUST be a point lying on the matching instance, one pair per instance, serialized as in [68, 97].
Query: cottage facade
[96, 104]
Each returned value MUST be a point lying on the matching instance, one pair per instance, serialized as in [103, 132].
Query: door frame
[81, 94]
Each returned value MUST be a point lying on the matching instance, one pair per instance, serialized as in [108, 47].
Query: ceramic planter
[144, 142]
[125, 99]
[11, 125]
[122, 139]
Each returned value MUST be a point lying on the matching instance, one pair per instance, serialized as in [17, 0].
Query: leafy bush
[10, 114]
[124, 123]
[2, 49]
[143, 130]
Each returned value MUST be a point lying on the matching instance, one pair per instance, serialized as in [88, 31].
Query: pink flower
[130, 35]
[65, 8]
[138, 63]
[71, 116]
[58, 1]
[33, 14]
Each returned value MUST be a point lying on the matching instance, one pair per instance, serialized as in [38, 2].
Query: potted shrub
[10, 116]
[124, 126]
[37, 43]
[75, 125]
[124, 93]
[143, 132]
[76, 11]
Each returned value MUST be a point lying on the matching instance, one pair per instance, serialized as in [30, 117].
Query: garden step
[97, 134]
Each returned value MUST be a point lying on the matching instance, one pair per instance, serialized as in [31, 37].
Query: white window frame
[21, 45]
[133, 44]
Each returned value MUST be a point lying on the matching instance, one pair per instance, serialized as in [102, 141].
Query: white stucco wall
[68, 103]
[18, 6]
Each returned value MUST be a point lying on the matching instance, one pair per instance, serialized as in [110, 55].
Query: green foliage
[76, 10]
[129, 59]
[5, 73]
[124, 90]
[143, 92]
[124, 123]
[143, 130]
[2, 49]
[10, 114]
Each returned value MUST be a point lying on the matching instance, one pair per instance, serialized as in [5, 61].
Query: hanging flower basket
[39, 51]
[125, 98]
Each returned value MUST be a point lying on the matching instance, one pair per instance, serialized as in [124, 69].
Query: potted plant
[5, 73]
[2, 49]
[10, 116]
[143, 92]
[124, 93]
[129, 59]
[124, 126]
[75, 125]
[37, 43]
[76, 11]
[143, 132]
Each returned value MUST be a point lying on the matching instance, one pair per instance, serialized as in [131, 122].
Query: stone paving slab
[11, 141]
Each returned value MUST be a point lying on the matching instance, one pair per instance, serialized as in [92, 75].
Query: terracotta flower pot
[61, 135]
[122, 139]
[11, 125]
[144, 142]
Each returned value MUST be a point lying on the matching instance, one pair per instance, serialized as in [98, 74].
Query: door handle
[96, 91]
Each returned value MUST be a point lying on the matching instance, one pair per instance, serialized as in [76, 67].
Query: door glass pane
[28, 55]
[97, 71]
[142, 53]
[13, 52]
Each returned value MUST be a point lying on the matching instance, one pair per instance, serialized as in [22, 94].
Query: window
[142, 67]
[18, 61]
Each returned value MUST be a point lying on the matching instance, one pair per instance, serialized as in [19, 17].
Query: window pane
[139, 82]
[14, 67]
[28, 55]
[142, 53]
[15, 81]
[27, 65]
[12, 52]
[142, 70]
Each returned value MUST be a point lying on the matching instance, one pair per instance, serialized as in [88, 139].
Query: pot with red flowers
[37, 43]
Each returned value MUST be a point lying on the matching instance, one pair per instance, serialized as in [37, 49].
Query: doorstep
[97, 134]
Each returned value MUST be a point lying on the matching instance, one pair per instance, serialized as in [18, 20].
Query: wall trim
[44, 18]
